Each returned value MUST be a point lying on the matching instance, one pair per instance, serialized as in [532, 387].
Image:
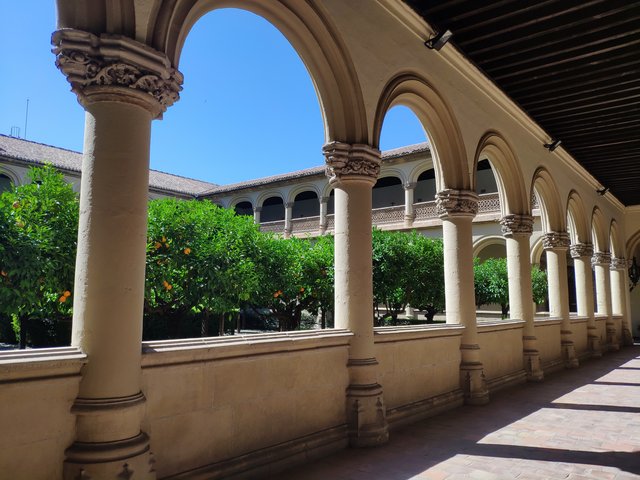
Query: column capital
[578, 250]
[351, 162]
[288, 204]
[409, 185]
[600, 258]
[456, 203]
[257, 209]
[324, 199]
[619, 263]
[516, 225]
[116, 68]
[555, 241]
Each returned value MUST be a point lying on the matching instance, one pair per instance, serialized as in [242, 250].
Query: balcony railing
[423, 211]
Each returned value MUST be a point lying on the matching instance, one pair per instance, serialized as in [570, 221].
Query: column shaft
[581, 254]
[457, 210]
[256, 215]
[323, 214]
[517, 229]
[619, 291]
[601, 262]
[556, 245]
[409, 215]
[353, 170]
[288, 213]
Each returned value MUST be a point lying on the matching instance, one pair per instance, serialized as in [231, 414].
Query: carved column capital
[116, 68]
[257, 209]
[357, 162]
[324, 199]
[288, 204]
[409, 185]
[516, 225]
[600, 258]
[578, 250]
[619, 263]
[456, 203]
[555, 241]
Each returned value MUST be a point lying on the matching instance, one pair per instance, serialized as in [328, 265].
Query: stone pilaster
[122, 85]
[324, 202]
[601, 263]
[256, 215]
[619, 293]
[457, 208]
[517, 230]
[288, 215]
[409, 214]
[581, 254]
[353, 170]
[556, 245]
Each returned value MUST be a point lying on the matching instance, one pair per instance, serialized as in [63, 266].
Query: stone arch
[511, 188]
[488, 241]
[305, 207]
[599, 231]
[272, 211]
[293, 193]
[393, 172]
[537, 249]
[245, 207]
[268, 194]
[6, 181]
[419, 170]
[633, 244]
[577, 220]
[239, 199]
[445, 137]
[307, 28]
[616, 244]
[552, 211]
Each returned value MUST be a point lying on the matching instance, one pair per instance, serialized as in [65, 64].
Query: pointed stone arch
[599, 231]
[577, 219]
[514, 198]
[445, 138]
[552, 210]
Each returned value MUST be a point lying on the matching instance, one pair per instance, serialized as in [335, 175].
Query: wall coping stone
[498, 325]
[415, 332]
[40, 364]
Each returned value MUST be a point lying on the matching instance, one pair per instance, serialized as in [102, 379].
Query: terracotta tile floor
[577, 424]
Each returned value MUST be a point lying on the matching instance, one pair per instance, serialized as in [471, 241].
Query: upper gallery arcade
[211, 408]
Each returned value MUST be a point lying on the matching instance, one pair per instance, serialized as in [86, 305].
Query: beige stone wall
[601, 328]
[580, 336]
[617, 321]
[417, 363]
[225, 397]
[548, 335]
[37, 391]
[501, 348]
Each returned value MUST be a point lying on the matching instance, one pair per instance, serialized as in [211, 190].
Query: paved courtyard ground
[577, 424]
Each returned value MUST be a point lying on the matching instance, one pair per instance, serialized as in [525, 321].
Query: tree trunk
[204, 324]
[323, 319]
[23, 333]
[221, 325]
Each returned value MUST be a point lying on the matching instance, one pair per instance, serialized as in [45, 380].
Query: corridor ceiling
[572, 65]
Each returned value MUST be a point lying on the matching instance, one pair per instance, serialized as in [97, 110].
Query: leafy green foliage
[539, 285]
[38, 237]
[407, 269]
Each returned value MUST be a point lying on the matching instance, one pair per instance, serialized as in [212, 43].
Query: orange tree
[38, 237]
[199, 263]
[427, 272]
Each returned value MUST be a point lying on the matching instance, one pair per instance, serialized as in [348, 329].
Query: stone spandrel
[514, 224]
[116, 64]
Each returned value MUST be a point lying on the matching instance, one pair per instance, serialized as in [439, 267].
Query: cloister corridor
[577, 424]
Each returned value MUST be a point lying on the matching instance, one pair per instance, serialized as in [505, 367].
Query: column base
[612, 342]
[532, 366]
[474, 383]
[366, 416]
[569, 354]
[408, 220]
[594, 345]
[627, 338]
[119, 460]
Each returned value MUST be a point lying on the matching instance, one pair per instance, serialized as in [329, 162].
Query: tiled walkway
[577, 424]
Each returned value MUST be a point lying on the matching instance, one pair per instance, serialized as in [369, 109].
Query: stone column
[619, 291]
[581, 254]
[288, 213]
[256, 215]
[409, 214]
[324, 201]
[517, 230]
[601, 262]
[457, 208]
[353, 170]
[556, 245]
[122, 85]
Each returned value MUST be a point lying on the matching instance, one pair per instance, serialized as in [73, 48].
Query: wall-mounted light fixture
[439, 40]
[553, 145]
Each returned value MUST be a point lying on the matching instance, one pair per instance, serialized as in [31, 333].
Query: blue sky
[248, 108]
